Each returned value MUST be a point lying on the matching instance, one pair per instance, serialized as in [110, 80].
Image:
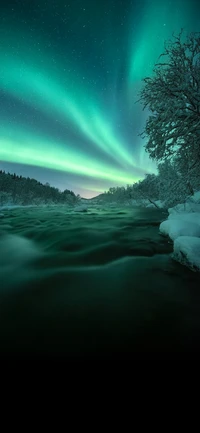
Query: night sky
[70, 72]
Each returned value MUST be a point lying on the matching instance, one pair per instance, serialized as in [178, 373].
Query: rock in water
[81, 208]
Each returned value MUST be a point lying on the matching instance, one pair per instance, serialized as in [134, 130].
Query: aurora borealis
[69, 79]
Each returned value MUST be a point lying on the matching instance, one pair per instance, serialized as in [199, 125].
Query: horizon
[43, 182]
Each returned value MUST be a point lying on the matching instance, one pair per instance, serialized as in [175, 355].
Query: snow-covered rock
[81, 208]
[187, 251]
[184, 229]
[193, 217]
[175, 227]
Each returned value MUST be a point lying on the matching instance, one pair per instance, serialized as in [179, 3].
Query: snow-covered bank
[183, 227]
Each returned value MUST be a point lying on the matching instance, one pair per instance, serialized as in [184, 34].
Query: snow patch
[187, 251]
[183, 227]
[151, 205]
[192, 204]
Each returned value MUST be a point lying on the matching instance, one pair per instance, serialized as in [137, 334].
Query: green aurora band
[45, 153]
[160, 20]
[53, 88]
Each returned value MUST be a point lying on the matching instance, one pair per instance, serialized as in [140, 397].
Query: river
[99, 284]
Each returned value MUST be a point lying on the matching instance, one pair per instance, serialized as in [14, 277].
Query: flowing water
[95, 284]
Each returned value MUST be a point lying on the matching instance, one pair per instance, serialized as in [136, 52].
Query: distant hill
[100, 196]
[97, 197]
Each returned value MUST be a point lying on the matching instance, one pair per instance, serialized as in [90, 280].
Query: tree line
[19, 190]
[168, 186]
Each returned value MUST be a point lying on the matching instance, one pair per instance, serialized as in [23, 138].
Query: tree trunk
[151, 201]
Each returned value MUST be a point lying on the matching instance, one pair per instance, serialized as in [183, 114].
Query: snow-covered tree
[189, 168]
[172, 95]
[24, 191]
[147, 189]
[173, 188]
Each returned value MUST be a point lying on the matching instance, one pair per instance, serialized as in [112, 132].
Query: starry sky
[70, 73]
